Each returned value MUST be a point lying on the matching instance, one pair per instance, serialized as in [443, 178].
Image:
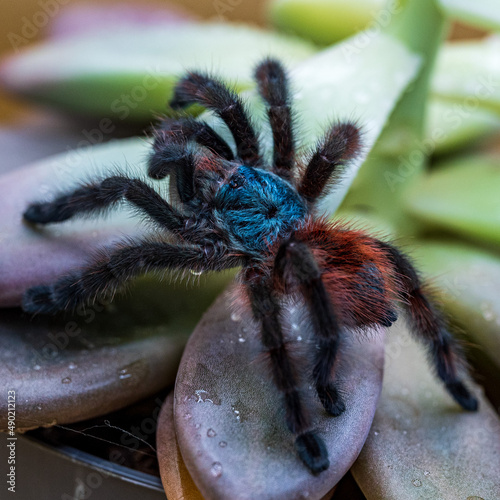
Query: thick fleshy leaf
[228, 414]
[130, 75]
[174, 474]
[31, 256]
[422, 445]
[480, 13]
[378, 188]
[469, 282]
[77, 367]
[468, 72]
[36, 137]
[74, 20]
[448, 130]
[328, 21]
[461, 196]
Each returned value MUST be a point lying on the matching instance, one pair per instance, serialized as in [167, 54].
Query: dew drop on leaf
[216, 469]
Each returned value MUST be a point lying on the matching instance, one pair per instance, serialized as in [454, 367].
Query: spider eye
[236, 181]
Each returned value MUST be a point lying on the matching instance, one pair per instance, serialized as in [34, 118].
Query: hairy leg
[181, 131]
[273, 88]
[95, 198]
[179, 160]
[115, 267]
[267, 311]
[430, 328]
[214, 95]
[341, 144]
[295, 261]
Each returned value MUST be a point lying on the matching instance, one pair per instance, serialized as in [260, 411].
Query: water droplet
[203, 396]
[244, 330]
[235, 317]
[196, 273]
[197, 426]
[222, 444]
[488, 311]
[124, 374]
[237, 413]
[417, 483]
[37, 367]
[72, 366]
[211, 433]
[66, 380]
[216, 469]
[376, 433]
[299, 338]
[241, 339]
[295, 326]
[427, 473]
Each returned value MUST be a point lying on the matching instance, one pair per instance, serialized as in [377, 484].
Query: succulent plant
[218, 433]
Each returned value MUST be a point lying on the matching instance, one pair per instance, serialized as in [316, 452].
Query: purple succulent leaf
[228, 415]
[32, 255]
[422, 444]
[78, 19]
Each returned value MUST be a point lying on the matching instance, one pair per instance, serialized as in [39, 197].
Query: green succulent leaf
[328, 21]
[468, 73]
[450, 127]
[460, 196]
[400, 155]
[350, 81]
[129, 75]
[480, 13]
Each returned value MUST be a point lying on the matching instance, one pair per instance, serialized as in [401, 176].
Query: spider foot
[462, 396]
[312, 451]
[39, 300]
[331, 400]
[390, 318]
[43, 213]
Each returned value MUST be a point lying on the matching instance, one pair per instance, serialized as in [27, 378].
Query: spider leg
[430, 327]
[295, 260]
[341, 144]
[177, 159]
[273, 88]
[115, 267]
[214, 95]
[95, 198]
[267, 311]
[188, 129]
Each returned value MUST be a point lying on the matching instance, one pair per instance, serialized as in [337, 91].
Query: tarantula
[229, 210]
